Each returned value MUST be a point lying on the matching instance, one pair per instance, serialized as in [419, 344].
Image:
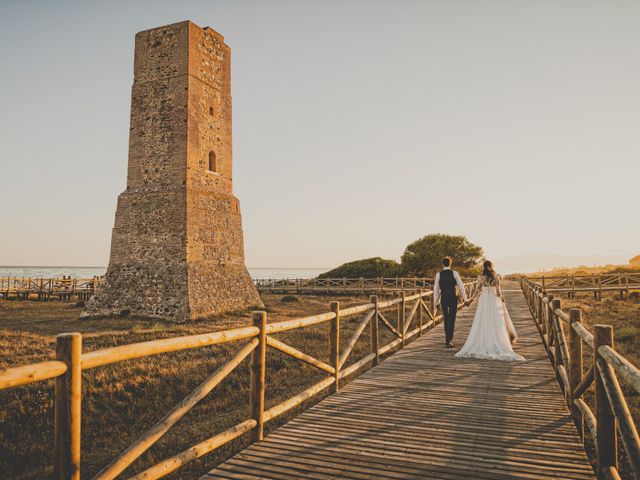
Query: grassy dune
[585, 270]
[121, 401]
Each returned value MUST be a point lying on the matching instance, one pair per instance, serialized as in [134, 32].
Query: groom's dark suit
[447, 280]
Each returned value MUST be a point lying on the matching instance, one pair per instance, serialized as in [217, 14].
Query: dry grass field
[121, 401]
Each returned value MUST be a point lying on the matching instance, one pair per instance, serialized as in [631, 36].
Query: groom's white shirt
[436, 286]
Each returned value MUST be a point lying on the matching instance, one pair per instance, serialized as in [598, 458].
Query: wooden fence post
[548, 325]
[68, 408]
[620, 285]
[334, 342]
[599, 286]
[258, 368]
[419, 312]
[434, 307]
[543, 313]
[373, 324]
[575, 375]
[606, 439]
[540, 304]
[557, 324]
[401, 314]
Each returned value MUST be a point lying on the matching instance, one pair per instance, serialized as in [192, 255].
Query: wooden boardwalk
[424, 414]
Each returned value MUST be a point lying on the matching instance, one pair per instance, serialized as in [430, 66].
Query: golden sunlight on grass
[122, 400]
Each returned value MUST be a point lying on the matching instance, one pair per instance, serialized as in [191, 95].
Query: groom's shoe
[449, 345]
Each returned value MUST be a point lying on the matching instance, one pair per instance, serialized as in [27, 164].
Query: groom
[444, 292]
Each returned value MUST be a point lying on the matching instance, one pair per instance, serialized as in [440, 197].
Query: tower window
[213, 164]
[210, 110]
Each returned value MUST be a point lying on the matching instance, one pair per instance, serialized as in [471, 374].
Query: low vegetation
[121, 401]
[584, 270]
[367, 268]
[422, 257]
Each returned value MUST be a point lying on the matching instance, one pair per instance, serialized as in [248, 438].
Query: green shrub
[367, 268]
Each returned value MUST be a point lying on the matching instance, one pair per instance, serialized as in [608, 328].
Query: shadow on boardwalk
[425, 414]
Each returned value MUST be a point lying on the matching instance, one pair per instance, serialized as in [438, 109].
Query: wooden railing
[378, 286]
[70, 362]
[45, 288]
[611, 409]
[67, 289]
[622, 282]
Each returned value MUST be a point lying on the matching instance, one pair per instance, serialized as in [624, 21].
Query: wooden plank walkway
[424, 414]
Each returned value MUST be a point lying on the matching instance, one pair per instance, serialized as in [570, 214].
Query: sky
[359, 126]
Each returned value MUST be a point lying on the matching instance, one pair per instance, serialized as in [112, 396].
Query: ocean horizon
[257, 273]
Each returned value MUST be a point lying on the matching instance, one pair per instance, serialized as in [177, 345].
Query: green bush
[367, 268]
[424, 256]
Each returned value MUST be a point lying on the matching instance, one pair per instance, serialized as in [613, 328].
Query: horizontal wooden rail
[71, 361]
[35, 372]
[611, 408]
[585, 334]
[350, 312]
[299, 322]
[623, 367]
[154, 347]
[389, 303]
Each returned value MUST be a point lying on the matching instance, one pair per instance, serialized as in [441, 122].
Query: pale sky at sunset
[359, 126]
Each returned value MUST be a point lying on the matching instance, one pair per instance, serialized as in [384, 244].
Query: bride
[492, 335]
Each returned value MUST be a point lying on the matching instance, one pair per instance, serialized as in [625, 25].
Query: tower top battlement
[182, 89]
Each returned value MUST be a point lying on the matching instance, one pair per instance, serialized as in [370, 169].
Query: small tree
[424, 256]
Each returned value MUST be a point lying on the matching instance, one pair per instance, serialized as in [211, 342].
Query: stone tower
[177, 249]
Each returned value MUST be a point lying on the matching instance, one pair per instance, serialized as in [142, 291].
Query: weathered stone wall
[177, 247]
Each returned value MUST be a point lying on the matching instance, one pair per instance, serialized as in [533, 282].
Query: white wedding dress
[492, 331]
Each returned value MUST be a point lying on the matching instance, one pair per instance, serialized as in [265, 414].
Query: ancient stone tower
[176, 249]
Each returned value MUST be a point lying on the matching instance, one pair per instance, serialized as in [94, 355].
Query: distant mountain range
[534, 262]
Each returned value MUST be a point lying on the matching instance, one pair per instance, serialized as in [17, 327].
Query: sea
[89, 272]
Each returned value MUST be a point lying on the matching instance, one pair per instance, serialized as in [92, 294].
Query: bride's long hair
[488, 271]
